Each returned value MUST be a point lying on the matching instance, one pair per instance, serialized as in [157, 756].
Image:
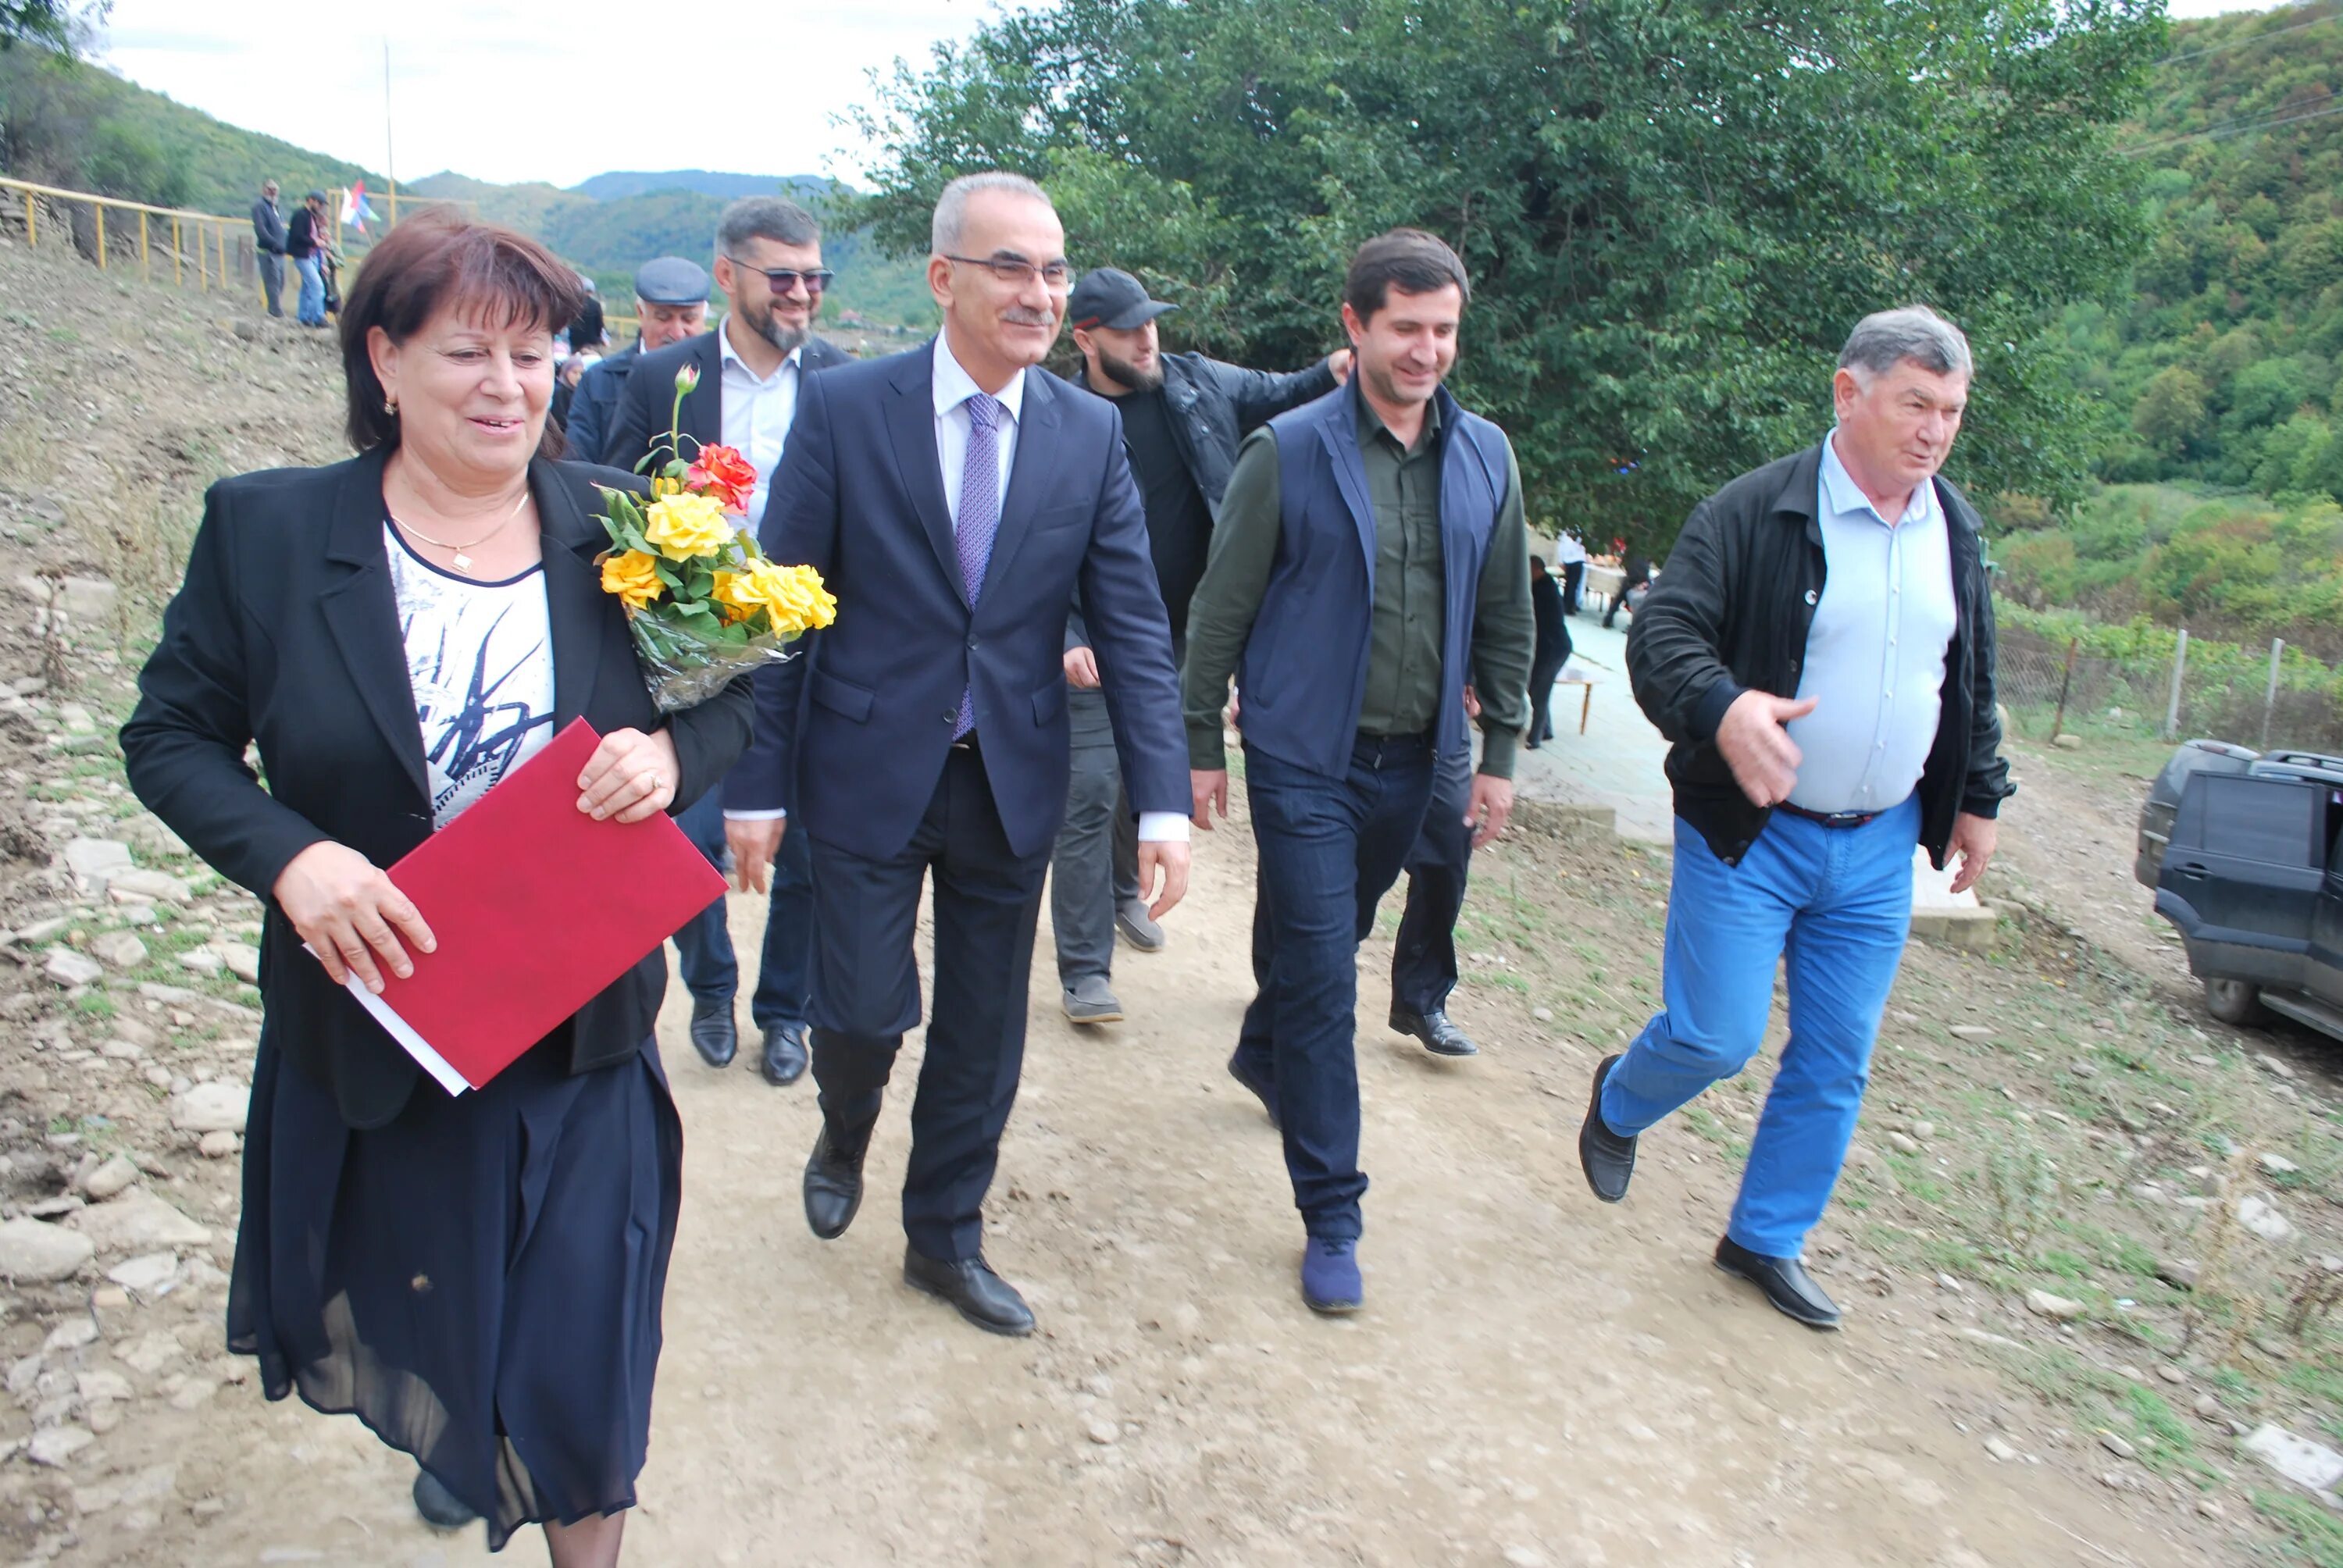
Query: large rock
[243, 961]
[218, 1106]
[138, 1221]
[119, 950]
[2263, 1219]
[33, 1253]
[112, 1179]
[2311, 1465]
[97, 861]
[68, 968]
[150, 885]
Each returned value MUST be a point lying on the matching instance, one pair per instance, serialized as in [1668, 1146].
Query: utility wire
[2239, 128]
[2255, 38]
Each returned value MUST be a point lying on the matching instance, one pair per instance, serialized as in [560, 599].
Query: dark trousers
[1094, 866]
[987, 901]
[1423, 965]
[1329, 847]
[1573, 574]
[1542, 678]
[704, 946]
[272, 281]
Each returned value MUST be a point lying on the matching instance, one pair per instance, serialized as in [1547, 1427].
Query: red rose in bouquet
[724, 473]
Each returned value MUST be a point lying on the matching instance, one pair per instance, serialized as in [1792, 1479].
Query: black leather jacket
[1731, 613]
[1216, 406]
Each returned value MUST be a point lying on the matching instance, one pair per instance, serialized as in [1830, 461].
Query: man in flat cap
[670, 305]
[1182, 416]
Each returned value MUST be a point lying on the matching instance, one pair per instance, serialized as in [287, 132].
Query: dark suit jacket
[852, 737]
[640, 415]
[285, 633]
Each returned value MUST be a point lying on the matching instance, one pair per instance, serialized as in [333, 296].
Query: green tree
[1672, 214]
[2170, 411]
[58, 25]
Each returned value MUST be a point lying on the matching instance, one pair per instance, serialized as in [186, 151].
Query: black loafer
[833, 1181]
[713, 1033]
[1440, 1037]
[984, 1297]
[1263, 1089]
[441, 1508]
[1608, 1159]
[785, 1054]
[1785, 1281]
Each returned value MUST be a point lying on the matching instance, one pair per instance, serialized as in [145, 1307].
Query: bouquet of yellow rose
[702, 601]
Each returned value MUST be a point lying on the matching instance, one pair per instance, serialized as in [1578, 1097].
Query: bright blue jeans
[1836, 904]
[1329, 850]
[311, 308]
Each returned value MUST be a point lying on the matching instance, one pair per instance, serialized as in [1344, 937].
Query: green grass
[2318, 1534]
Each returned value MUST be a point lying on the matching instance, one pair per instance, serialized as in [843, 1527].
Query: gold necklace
[460, 561]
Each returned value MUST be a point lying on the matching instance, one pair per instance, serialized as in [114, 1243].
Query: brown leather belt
[1831, 819]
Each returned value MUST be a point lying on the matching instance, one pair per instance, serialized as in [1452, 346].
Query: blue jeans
[704, 945]
[311, 310]
[1837, 902]
[1330, 849]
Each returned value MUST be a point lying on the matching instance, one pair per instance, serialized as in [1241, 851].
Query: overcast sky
[510, 90]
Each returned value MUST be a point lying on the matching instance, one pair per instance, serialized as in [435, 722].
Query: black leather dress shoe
[441, 1508]
[1785, 1281]
[785, 1054]
[833, 1181]
[984, 1297]
[713, 1033]
[1440, 1037]
[1608, 1159]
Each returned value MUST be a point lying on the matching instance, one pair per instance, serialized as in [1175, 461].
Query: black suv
[2246, 861]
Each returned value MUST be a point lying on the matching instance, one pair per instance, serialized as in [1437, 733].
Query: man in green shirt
[1370, 562]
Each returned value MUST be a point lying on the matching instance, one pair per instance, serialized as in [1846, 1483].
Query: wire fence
[2260, 698]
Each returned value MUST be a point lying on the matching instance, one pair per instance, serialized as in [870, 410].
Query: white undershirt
[757, 413]
[480, 662]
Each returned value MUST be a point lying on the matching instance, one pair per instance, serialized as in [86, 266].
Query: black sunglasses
[785, 278]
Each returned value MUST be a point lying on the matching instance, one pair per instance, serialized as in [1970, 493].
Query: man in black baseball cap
[670, 305]
[1182, 416]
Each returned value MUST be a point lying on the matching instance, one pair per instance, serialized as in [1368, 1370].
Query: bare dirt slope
[1538, 1378]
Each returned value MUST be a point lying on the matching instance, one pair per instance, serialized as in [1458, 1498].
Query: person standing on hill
[751, 372]
[268, 239]
[1820, 651]
[670, 305]
[306, 238]
[1370, 563]
[1182, 415]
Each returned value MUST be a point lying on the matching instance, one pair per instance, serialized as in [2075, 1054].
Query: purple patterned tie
[980, 516]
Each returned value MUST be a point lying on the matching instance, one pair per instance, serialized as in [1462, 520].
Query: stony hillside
[129, 1023]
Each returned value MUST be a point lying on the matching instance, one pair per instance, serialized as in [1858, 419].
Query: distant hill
[726, 188]
[84, 128]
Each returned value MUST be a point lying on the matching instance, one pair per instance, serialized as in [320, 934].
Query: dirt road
[1537, 1379]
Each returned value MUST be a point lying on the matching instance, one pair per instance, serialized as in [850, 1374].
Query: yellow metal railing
[209, 230]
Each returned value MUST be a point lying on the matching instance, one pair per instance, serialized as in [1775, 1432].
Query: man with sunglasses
[751, 370]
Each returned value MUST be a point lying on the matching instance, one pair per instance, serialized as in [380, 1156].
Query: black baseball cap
[1111, 298]
[671, 280]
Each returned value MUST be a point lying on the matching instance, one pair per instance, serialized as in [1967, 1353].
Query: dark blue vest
[1303, 676]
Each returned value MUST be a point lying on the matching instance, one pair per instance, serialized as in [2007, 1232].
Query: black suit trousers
[866, 995]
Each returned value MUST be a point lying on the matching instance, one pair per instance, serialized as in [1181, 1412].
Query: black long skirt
[479, 1282]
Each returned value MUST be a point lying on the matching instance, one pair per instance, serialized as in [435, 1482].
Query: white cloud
[552, 90]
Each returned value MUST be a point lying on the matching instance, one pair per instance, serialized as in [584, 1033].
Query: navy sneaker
[1330, 1276]
[1265, 1089]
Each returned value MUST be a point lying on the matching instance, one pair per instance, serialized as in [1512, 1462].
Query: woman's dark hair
[1407, 259]
[438, 259]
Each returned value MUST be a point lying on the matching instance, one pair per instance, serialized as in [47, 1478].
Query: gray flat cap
[671, 280]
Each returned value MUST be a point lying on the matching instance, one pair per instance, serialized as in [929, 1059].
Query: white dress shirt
[758, 413]
[953, 386]
[1874, 657]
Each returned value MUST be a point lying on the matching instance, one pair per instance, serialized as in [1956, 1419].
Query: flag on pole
[356, 213]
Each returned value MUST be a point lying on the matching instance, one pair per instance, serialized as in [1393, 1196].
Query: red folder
[537, 908]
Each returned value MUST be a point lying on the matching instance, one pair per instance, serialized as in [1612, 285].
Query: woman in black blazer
[478, 1278]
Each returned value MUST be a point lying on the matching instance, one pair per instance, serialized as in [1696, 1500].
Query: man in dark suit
[751, 373]
[955, 498]
[670, 305]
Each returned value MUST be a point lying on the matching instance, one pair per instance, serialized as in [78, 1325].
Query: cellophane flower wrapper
[684, 666]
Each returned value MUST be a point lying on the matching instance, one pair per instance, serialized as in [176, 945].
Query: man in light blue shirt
[1851, 578]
